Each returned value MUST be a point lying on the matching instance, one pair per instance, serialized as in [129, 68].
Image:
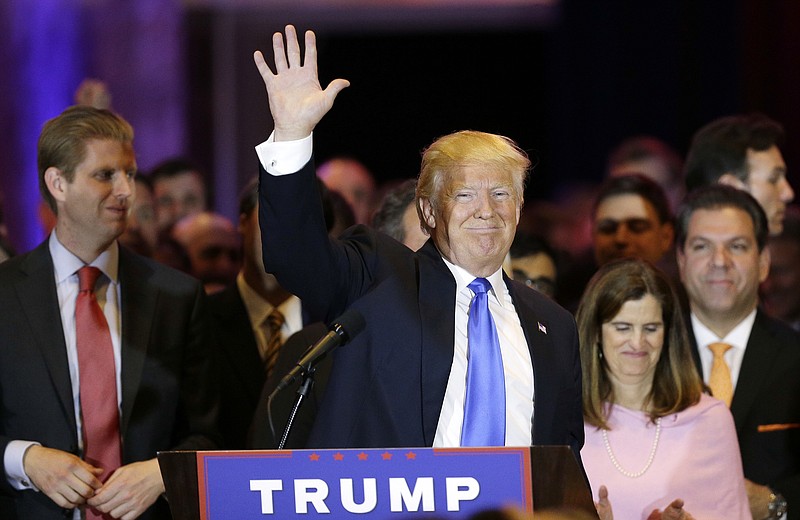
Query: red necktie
[98, 380]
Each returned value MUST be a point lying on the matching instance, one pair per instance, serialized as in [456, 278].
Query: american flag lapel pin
[542, 328]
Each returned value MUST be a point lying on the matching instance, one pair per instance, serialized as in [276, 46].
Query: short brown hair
[62, 143]
[676, 382]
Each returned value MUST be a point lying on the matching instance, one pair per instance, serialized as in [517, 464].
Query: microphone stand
[302, 393]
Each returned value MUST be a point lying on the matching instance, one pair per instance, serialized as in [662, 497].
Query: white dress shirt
[736, 338]
[258, 309]
[517, 366]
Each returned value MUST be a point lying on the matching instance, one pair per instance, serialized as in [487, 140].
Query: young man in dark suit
[401, 382]
[722, 258]
[158, 383]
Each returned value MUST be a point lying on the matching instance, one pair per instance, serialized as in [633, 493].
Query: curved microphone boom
[342, 330]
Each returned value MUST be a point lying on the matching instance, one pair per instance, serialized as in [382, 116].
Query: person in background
[780, 292]
[148, 388]
[631, 218]
[652, 435]
[743, 151]
[93, 92]
[350, 178]
[566, 224]
[533, 262]
[338, 213]
[141, 232]
[748, 359]
[653, 158]
[179, 190]
[251, 318]
[213, 247]
[397, 215]
[401, 382]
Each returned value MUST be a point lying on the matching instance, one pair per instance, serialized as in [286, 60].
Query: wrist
[776, 506]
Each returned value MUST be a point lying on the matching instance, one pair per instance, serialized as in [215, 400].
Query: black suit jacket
[766, 407]
[388, 383]
[285, 404]
[239, 366]
[168, 399]
[238, 363]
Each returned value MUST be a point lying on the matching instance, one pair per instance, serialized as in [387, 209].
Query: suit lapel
[437, 288]
[239, 341]
[137, 311]
[39, 300]
[759, 356]
[545, 373]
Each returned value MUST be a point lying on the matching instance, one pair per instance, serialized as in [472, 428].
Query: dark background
[566, 79]
[567, 89]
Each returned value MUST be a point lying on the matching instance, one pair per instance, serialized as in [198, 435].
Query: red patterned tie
[98, 380]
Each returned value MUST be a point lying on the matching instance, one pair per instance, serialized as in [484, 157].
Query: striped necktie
[272, 325]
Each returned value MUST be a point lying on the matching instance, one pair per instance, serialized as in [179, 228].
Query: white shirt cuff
[15, 469]
[284, 157]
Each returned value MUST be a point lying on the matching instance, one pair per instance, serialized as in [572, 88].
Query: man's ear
[763, 264]
[55, 182]
[667, 236]
[732, 180]
[427, 212]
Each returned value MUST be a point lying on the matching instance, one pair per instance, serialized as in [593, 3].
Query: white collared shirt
[517, 364]
[737, 338]
[258, 309]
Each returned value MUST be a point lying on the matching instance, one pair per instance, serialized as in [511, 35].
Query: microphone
[345, 328]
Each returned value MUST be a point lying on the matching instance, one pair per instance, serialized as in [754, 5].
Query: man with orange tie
[103, 357]
[748, 359]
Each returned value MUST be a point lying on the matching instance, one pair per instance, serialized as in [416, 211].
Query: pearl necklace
[649, 458]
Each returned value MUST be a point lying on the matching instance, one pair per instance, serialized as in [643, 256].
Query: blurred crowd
[663, 258]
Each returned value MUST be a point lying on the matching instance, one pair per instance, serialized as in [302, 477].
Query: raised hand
[297, 102]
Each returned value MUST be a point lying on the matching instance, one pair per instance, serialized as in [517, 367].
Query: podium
[371, 483]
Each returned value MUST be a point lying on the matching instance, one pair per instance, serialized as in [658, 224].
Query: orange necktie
[98, 381]
[720, 378]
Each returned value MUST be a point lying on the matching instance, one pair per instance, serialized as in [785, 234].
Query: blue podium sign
[363, 483]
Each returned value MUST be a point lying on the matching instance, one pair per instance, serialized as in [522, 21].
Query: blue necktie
[485, 403]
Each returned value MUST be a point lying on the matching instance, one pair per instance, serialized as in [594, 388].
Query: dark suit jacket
[388, 383]
[284, 402]
[168, 399]
[238, 363]
[240, 368]
[767, 396]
